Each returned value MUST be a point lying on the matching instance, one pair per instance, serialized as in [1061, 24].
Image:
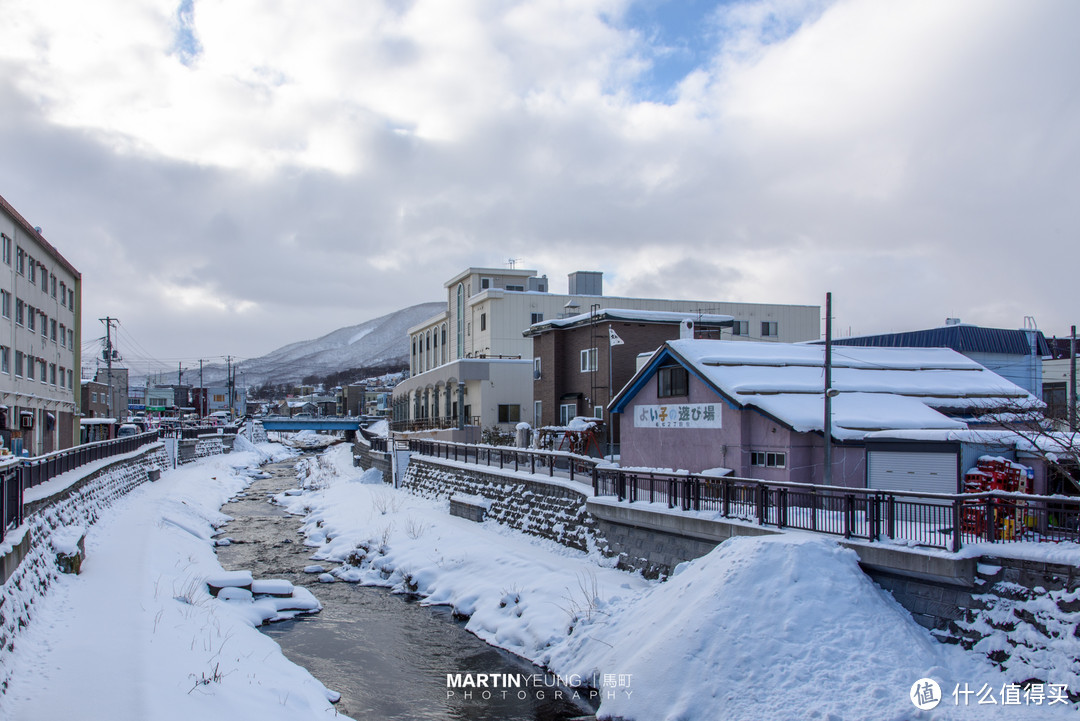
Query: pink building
[756, 410]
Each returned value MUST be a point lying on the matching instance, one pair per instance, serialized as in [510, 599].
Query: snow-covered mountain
[377, 342]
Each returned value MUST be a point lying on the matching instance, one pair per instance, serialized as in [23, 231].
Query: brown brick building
[581, 362]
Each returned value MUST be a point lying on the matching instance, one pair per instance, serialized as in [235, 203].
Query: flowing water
[387, 656]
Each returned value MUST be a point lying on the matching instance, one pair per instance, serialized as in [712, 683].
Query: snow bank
[764, 627]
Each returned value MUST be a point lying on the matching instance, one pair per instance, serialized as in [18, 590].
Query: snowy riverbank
[137, 637]
[780, 627]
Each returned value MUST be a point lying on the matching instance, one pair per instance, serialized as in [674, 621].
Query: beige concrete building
[40, 339]
[471, 365]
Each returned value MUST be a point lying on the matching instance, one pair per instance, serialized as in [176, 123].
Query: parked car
[127, 429]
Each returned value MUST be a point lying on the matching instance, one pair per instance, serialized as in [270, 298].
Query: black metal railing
[188, 432]
[946, 521]
[552, 463]
[37, 470]
[19, 474]
[432, 424]
[10, 497]
[925, 519]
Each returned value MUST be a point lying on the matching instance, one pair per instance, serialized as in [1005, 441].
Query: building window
[44, 325]
[52, 285]
[588, 360]
[518, 288]
[30, 363]
[41, 369]
[71, 299]
[768, 329]
[768, 459]
[18, 364]
[483, 321]
[598, 412]
[509, 413]
[71, 339]
[740, 327]
[93, 396]
[536, 369]
[52, 330]
[20, 261]
[5, 303]
[538, 406]
[31, 317]
[33, 269]
[20, 311]
[7, 249]
[537, 318]
[52, 374]
[460, 321]
[63, 336]
[672, 381]
[71, 380]
[5, 360]
[485, 283]
[63, 294]
[567, 412]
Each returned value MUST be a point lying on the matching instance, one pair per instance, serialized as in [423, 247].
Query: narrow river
[386, 655]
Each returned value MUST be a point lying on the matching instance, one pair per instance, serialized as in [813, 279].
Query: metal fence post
[991, 520]
[957, 512]
[782, 508]
[849, 514]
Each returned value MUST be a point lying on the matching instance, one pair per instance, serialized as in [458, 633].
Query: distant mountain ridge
[378, 342]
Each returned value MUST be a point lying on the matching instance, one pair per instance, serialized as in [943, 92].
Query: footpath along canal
[386, 655]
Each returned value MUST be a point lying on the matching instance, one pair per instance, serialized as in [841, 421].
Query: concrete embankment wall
[28, 560]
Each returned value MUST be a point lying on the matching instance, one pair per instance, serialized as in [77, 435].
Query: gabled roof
[879, 388]
[961, 338]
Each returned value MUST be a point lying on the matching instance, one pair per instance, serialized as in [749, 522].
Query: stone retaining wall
[548, 510]
[364, 457]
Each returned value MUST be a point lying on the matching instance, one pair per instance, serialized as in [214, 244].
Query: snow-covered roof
[631, 314]
[878, 388]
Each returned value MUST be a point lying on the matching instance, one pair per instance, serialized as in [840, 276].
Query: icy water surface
[387, 656]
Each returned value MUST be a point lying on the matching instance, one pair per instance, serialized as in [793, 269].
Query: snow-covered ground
[761, 628]
[137, 636]
[785, 627]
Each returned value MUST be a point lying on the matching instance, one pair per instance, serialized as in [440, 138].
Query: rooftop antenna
[512, 262]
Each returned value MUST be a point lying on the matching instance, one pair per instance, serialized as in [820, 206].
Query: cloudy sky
[234, 175]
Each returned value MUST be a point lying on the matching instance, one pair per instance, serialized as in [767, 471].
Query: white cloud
[324, 163]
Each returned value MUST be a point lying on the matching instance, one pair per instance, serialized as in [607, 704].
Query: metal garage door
[922, 472]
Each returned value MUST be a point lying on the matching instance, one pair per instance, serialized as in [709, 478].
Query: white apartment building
[40, 339]
[471, 365]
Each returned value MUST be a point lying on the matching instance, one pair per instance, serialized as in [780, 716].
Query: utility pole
[108, 361]
[828, 389]
[202, 395]
[179, 374]
[1072, 380]
[229, 381]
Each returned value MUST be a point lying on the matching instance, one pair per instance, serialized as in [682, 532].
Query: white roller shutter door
[921, 472]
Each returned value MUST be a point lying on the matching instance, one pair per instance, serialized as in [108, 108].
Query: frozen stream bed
[386, 655]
